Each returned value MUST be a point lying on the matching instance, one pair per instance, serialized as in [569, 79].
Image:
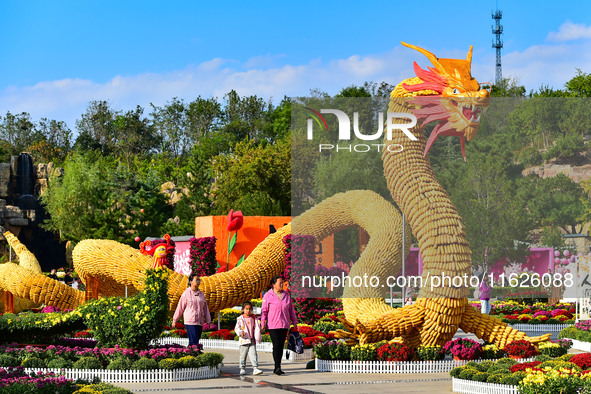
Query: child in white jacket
[248, 329]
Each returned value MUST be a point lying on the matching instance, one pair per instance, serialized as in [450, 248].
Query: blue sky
[59, 55]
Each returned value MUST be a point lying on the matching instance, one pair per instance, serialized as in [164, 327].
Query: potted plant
[520, 349]
[463, 349]
[430, 353]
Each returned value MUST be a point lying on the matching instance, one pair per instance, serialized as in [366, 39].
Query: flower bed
[566, 374]
[19, 380]
[57, 357]
[339, 366]
[133, 376]
[222, 344]
[536, 314]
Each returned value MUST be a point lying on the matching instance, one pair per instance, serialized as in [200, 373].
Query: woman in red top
[193, 307]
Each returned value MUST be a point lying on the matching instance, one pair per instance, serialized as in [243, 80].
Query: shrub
[455, 373]
[566, 357]
[325, 325]
[524, 366]
[530, 156]
[366, 352]
[7, 360]
[88, 363]
[521, 348]
[33, 362]
[480, 376]
[210, 359]
[492, 352]
[582, 360]
[59, 362]
[145, 363]
[463, 348]
[169, 363]
[506, 361]
[394, 352]
[496, 378]
[190, 362]
[430, 353]
[566, 147]
[552, 349]
[513, 379]
[130, 322]
[102, 388]
[542, 357]
[556, 364]
[468, 372]
[120, 363]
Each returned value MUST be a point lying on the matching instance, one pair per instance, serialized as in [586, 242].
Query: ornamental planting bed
[338, 366]
[288, 355]
[158, 364]
[134, 376]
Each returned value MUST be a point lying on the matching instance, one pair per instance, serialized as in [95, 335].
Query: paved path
[301, 380]
[298, 379]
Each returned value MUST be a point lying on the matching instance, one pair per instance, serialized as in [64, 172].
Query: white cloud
[570, 31]
[67, 99]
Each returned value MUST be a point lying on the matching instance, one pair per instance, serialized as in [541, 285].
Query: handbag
[295, 342]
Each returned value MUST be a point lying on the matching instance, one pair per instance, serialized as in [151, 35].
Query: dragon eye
[456, 91]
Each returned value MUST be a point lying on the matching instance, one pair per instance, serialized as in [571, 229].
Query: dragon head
[449, 94]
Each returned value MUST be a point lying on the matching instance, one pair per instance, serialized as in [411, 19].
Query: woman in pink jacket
[276, 314]
[193, 307]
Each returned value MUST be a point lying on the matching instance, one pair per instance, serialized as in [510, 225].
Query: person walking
[248, 329]
[484, 297]
[193, 308]
[276, 314]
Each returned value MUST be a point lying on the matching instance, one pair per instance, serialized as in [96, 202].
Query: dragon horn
[469, 57]
[429, 55]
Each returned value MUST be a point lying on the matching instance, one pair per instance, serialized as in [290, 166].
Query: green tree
[98, 199]
[559, 202]
[19, 132]
[497, 223]
[254, 178]
[96, 128]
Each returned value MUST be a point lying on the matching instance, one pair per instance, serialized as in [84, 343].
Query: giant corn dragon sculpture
[434, 220]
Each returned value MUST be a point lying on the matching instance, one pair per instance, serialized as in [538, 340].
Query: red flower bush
[309, 331]
[82, 334]
[394, 352]
[222, 334]
[524, 366]
[521, 348]
[180, 333]
[583, 360]
[310, 342]
[526, 310]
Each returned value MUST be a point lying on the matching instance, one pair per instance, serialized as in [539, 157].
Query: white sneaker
[257, 371]
[242, 371]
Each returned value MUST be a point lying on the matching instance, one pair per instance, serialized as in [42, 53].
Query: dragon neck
[432, 216]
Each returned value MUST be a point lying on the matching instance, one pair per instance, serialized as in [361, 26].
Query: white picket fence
[133, 376]
[540, 327]
[337, 366]
[472, 387]
[235, 345]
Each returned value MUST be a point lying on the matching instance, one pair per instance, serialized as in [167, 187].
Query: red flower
[583, 360]
[524, 366]
[521, 348]
[235, 220]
